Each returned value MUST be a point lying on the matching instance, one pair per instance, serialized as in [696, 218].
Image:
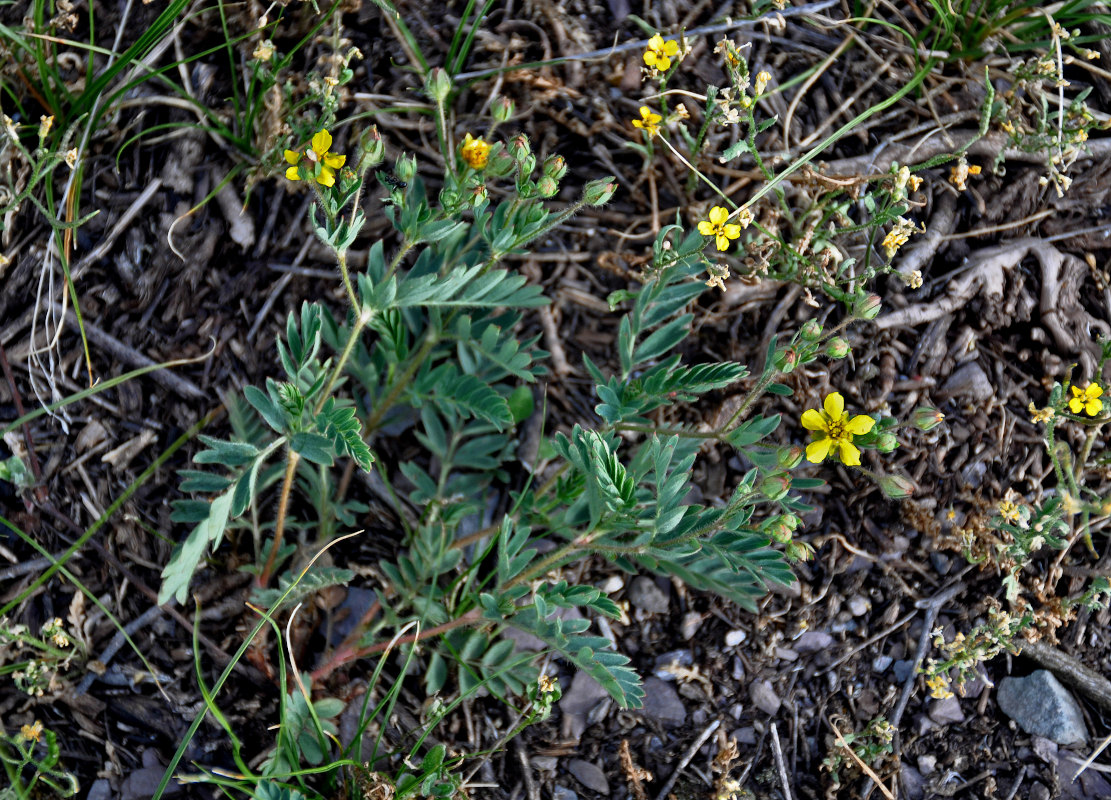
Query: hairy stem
[279, 523]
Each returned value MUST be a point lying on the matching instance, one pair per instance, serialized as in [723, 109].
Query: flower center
[836, 429]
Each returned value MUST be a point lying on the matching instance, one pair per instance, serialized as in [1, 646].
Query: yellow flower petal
[812, 420]
[732, 231]
[327, 176]
[859, 425]
[293, 174]
[722, 242]
[834, 405]
[706, 228]
[321, 142]
[663, 63]
[292, 156]
[1093, 407]
[1076, 405]
[718, 216]
[818, 450]
[334, 160]
[650, 58]
[1094, 390]
[850, 453]
[671, 48]
[656, 42]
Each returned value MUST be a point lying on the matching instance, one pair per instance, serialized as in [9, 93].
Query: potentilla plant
[429, 348]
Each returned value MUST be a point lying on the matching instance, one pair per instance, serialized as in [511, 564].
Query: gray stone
[589, 775]
[858, 606]
[544, 763]
[142, 783]
[647, 596]
[912, 782]
[1043, 707]
[100, 790]
[734, 638]
[946, 711]
[563, 793]
[578, 701]
[764, 697]
[662, 704]
[668, 661]
[812, 642]
[903, 670]
[881, 663]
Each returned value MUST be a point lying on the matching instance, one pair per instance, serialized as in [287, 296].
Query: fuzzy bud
[598, 193]
[837, 347]
[798, 551]
[790, 457]
[503, 109]
[547, 186]
[867, 306]
[499, 163]
[406, 168]
[786, 360]
[519, 147]
[926, 418]
[372, 149]
[896, 486]
[811, 331]
[555, 167]
[438, 85]
[775, 487]
[886, 442]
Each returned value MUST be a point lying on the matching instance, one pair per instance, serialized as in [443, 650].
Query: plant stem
[341, 257]
[403, 381]
[345, 655]
[279, 524]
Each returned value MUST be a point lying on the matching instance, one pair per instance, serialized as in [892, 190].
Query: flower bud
[599, 192]
[867, 306]
[519, 147]
[555, 167]
[896, 486]
[798, 551]
[406, 168]
[372, 149]
[775, 487]
[837, 347]
[503, 109]
[811, 331]
[785, 360]
[438, 85]
[790, 457]
[886, 442]
[926, 418]
[779, 532]
[547, 186]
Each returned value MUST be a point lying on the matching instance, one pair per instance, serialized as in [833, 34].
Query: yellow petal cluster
[648, 122]
[660, 53]
[833, 430]
[475, 152]
[1086, 399]
[321, 161]
[719, 227]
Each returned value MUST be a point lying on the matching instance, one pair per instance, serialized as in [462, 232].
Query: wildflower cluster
[869, 746]
[833, 430]
[965, 652]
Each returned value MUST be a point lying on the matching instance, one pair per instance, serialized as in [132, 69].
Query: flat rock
[764, 697]
[946, 711]
[812, 642]
[142, 783]
[589, 775]
[647, 596]
[1041, 706]
[563, 793]
[577, 702]
[662, 704]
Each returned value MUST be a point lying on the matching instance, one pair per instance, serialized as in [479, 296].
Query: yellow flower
[31, 733]
[831, 428]
[475, 152]
[648, 122]
[898, 236]
[1086, 400]
[322, 163]
[659, 53]
[939, 687]
[719, 227]
[1039, 414]
[958, 175]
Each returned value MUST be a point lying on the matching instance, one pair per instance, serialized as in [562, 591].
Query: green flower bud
[406, 167]
[811, 330]
[798, 551]
[779, 533]
[926, 418]
[438, 85]
[775, 487]
[837, 347]
[886, 442]
[503, 109]
[867, 306]
[896, 486]
[555, 167]
[786, 360]
[599, 192]
[790, 457]
[371, 149]
[520, 147]
[547, 186]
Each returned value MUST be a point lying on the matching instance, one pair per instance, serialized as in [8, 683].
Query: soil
[1015, 291]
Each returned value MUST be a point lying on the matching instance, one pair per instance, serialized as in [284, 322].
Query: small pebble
[544, 763]
[927, 764]
[858, 606]
[563, 793]
[881, 663]
[764, 697]
[812, 641]
[667, 661]
[786, 654]
[614, 583]
[589, 775]
[692, 621]
[945, 711]
[734, 638]
[647, 596]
